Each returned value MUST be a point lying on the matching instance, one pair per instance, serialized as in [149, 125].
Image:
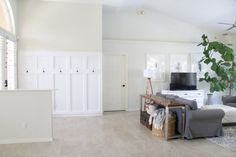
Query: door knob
[123, 85]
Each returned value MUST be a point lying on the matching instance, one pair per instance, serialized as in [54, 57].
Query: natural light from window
[8, 49]
[5, 21]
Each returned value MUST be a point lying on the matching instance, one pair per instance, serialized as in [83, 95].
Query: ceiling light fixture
[140, 12]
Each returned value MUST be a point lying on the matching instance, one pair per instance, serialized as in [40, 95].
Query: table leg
[141, 103]
[184, 115]
[166, 122]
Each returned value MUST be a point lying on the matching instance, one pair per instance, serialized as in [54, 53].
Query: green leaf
[227, 64]
[207, 61]
[214, 67]
[206, 74]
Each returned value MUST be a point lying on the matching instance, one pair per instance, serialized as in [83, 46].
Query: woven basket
[171, 128]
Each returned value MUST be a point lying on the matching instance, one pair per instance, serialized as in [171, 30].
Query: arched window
[8, 51]
[6, 16]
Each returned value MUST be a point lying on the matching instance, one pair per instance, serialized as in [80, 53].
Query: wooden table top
[161, 100]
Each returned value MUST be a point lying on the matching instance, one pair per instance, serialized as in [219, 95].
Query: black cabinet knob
[123, 85]
[27, 71]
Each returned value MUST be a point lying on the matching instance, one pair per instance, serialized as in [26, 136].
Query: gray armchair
[229, 100]
[201, 123]
[198, 123]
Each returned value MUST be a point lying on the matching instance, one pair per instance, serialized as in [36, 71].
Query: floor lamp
[148, 73]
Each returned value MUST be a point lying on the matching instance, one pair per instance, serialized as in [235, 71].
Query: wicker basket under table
[171, 128]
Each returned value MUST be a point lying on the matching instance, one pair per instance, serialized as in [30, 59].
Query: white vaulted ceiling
[203, 13]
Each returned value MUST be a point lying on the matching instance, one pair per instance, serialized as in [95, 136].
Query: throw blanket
[158, 118]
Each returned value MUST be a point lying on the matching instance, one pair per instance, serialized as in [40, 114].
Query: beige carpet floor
[116, 134]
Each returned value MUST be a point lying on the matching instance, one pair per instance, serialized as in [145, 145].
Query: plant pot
[209, 99]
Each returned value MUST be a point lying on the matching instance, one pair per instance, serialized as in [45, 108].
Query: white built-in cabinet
[197, 95]
[76, 80]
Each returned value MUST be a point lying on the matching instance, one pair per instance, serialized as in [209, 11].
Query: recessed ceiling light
[140, 12]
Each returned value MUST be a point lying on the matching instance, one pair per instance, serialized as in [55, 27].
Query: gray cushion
[167, 96]
[172, 97]
[228, 99]
[205, 114]
[192, 104]
[231, 104]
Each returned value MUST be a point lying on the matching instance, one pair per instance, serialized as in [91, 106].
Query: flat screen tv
[183, 81]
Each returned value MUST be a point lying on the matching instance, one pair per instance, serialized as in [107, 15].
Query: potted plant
[223, 67]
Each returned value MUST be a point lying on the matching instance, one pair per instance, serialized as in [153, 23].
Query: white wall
[125, 32]
[23, 119]
[136, 53]
[14, 6]
[59, 26]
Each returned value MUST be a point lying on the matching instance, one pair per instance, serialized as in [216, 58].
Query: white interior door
[114, 82]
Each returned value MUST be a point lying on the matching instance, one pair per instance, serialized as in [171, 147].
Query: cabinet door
[27, 65]
[93, 62]
[93, 91]
[45, 81]
[27, 81]
[77, 64]
[60, 97]
[60, 84]
[78, 92]
[60, 64]
[44, 64]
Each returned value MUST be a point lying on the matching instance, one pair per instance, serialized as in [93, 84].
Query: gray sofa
[198, 123]
[229, 100]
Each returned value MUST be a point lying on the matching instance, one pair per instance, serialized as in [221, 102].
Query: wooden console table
[167, 104]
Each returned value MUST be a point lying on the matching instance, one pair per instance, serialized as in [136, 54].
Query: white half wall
[25, 116]
[59, 26]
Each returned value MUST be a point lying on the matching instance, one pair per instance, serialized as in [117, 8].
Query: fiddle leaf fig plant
[220, 58]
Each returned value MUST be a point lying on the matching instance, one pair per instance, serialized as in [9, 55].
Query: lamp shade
[148, 73]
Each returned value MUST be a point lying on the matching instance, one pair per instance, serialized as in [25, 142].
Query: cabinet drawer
[188, 93]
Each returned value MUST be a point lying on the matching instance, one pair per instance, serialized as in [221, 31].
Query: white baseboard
[26, 140]
[133, 109]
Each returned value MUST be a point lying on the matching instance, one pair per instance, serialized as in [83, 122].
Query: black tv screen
[183, 81]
